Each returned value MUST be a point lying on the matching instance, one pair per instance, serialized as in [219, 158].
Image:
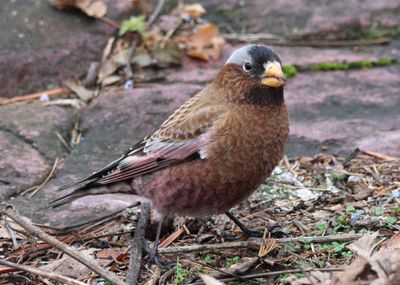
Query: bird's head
[253, 74]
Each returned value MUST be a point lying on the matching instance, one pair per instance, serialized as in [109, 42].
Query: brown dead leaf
[205, 44]
[203, 36]
[68, 266]
[390, 245]
[363, 246]
[96, 9]
[194, 10]
[80, 90]
[109, 253]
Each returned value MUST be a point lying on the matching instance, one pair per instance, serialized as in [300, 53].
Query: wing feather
[182, 137]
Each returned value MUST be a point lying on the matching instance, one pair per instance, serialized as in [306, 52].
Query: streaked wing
[180, 138]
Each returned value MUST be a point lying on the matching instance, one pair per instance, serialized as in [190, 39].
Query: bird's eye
[247, 67]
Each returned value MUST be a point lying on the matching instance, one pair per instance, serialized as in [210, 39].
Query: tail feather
[95, 175]
[83, 184]
[74, 194]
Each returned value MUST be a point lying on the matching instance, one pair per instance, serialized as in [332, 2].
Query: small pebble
[354, 179]
[355, 217]
[395, 193]
[44, 98]
[128, 84]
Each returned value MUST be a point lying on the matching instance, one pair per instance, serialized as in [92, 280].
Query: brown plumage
[215, 150]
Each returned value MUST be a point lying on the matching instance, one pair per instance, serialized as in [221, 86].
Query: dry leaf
[70, 267]
[194, 11]
[96, 9]
[208, 280]
[203, 36]
[205, 44]
[266, 247]
[109, 253]
[80, 90]
[363, 246]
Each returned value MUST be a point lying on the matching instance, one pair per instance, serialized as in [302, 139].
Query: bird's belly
[202, 188]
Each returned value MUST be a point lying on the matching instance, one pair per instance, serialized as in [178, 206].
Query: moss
[289, 70]
[385, 61]
[360, 64]
[330, 66]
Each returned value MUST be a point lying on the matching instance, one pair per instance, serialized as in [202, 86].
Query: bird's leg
[275, 231]
[245, 230]
[153, 252]
[153, 255]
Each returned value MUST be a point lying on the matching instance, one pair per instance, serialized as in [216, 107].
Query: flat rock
[42, 46]
[30, 143]
[305, 18]
[343, 110]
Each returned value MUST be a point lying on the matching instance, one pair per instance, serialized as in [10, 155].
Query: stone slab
[41, 46]
[29, 143]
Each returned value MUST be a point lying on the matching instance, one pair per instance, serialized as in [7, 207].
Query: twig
[239, 268]
[256, 243]
[378, 155]
[170, 33]
[12, 235]
[12, 214]
[32, 96]
[166, 276]
[276, 40]
[251, 216]
[109, 22]
[237, 277]
[49, 176]
[51, 275]
[155, 13]
[137, 245]
[65, 144]
[251, 37]
[155, 276]
[170, 239]
[274, 273]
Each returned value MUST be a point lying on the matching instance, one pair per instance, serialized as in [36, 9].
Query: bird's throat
[265, 96]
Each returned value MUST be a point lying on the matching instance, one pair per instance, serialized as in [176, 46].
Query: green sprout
[181, 274]
[134, 24]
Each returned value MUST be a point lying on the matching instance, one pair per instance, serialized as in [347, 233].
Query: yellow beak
[273, 76]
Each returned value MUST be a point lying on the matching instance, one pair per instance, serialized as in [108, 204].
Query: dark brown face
[253, 75]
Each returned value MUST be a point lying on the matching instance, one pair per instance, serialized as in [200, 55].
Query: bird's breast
[244, 149]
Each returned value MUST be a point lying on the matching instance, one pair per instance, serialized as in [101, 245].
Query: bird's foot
[276, 231]
[154, 258]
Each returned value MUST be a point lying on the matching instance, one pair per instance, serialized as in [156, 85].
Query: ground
[333, 111]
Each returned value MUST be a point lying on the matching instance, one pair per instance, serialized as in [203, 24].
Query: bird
[213, 151]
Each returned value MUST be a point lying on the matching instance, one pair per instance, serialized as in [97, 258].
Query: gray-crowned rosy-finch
[213, 151]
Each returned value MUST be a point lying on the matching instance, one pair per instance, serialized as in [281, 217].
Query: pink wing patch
[160, 154]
